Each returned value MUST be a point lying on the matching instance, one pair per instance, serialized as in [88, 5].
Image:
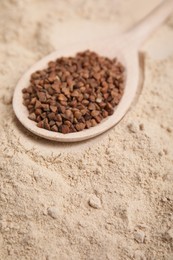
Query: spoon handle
[147, 26]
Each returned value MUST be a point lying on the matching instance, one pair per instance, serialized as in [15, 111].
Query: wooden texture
[126, 49]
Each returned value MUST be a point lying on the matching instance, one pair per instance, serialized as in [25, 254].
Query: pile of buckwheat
[74, 93]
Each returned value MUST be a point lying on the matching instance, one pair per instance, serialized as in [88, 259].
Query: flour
[126, 173]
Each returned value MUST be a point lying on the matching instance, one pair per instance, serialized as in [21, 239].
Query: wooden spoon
[125, 47]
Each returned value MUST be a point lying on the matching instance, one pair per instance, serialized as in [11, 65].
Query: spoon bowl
[129, 93]
[125, 48]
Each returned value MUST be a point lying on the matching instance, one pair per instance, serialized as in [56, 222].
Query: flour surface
[110, 198]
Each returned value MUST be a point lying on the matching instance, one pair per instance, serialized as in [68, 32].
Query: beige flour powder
[110, 198]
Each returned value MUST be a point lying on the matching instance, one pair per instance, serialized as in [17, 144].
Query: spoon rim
[21, 111]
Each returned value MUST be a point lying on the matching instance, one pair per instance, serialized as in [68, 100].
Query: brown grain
[74, 93]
